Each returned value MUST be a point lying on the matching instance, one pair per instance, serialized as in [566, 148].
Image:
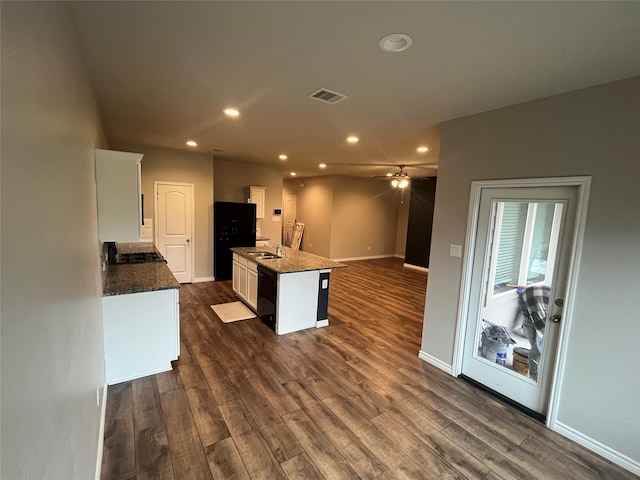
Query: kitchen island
[289, 293]
[140, 313]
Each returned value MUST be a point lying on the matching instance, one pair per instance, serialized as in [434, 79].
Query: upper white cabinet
[119, 201]
[257, 195]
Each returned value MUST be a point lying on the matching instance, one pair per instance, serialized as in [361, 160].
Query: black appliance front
[234, 225]
[267, 296]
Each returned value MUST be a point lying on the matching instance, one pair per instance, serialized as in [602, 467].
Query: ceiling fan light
[404, 183]
[394, 183]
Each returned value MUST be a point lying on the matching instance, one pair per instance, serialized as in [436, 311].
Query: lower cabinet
[245, 280]
[141, 334]
[252, 284]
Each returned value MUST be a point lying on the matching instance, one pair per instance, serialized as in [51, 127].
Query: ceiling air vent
[327, 96]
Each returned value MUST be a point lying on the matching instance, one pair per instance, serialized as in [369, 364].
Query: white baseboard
[203, 279]
[415, 267]
[370, 257]
[103, 416]
[435, 362]
[607, 452]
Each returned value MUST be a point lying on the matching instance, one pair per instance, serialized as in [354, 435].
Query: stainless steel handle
[556, 318]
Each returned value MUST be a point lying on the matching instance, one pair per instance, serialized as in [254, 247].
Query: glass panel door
[520, 263]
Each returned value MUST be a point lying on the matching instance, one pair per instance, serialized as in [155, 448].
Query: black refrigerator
[234, 225]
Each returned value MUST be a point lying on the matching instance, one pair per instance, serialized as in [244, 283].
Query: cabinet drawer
[242, 261]
[253, 266]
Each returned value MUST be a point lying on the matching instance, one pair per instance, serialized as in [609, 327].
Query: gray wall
[52, 349]
[232, 178]
[169, 165]
[365, 218]
[344, 216]
[587, 132]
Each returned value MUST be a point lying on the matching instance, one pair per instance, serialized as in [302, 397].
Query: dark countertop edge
[295, 260]
[138, 290]
[144, 281]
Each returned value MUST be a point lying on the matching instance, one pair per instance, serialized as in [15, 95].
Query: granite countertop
[295, 260]
[122, 279]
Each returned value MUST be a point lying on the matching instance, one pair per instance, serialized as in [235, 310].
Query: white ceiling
[164, 71]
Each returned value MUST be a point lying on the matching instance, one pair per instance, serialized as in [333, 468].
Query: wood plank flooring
[350, 401]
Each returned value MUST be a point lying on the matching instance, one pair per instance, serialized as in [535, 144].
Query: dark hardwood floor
[348, 401]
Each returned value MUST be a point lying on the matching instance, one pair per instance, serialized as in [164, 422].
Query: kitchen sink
[263, 255]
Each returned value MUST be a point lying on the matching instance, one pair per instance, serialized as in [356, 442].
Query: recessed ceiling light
[423, 149]
[323, 165]
[282, 156]
[352, 139]
[231, 112]
[192, 143]
[395, 42]
[293, 174]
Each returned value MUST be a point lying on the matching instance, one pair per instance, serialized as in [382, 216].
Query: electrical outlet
[455, 250]
[310, 244]
[369, 248]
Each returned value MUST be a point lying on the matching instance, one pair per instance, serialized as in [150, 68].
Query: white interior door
[289, 218]
[174, 227]
[523, 243]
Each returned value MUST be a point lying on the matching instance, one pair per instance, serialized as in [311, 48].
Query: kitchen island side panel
[141, 334]
[297, 306]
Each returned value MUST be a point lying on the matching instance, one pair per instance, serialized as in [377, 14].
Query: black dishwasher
[267, 296]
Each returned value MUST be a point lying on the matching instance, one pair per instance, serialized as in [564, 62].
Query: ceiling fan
[400, 179]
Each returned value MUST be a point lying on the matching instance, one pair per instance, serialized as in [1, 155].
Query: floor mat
[232, 312]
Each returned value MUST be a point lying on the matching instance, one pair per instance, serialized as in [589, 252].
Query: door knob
[556, 318]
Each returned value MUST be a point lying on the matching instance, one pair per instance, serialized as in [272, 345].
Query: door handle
[556, 318]
[188, 241]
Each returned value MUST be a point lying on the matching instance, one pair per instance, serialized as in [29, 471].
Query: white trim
[583, 183]
[103, 416]
[431, 360]
[322, 323]
[370, 257]
[203, 279]
[569, 301]
[193, 217]
[607, 452]
[415, 267]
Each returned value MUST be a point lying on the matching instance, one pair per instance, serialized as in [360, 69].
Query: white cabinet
[118, 191]
[245, 280]
[236, 272]
[141, 334]
[252, 284]
[257, 195]
[242, 278]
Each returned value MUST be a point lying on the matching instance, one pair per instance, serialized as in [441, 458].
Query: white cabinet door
[118, 191]
[242, 281]
[252, 284]
[257, 195]
[236, 273]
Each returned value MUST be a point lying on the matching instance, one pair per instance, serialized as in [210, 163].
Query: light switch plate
[455, 250]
